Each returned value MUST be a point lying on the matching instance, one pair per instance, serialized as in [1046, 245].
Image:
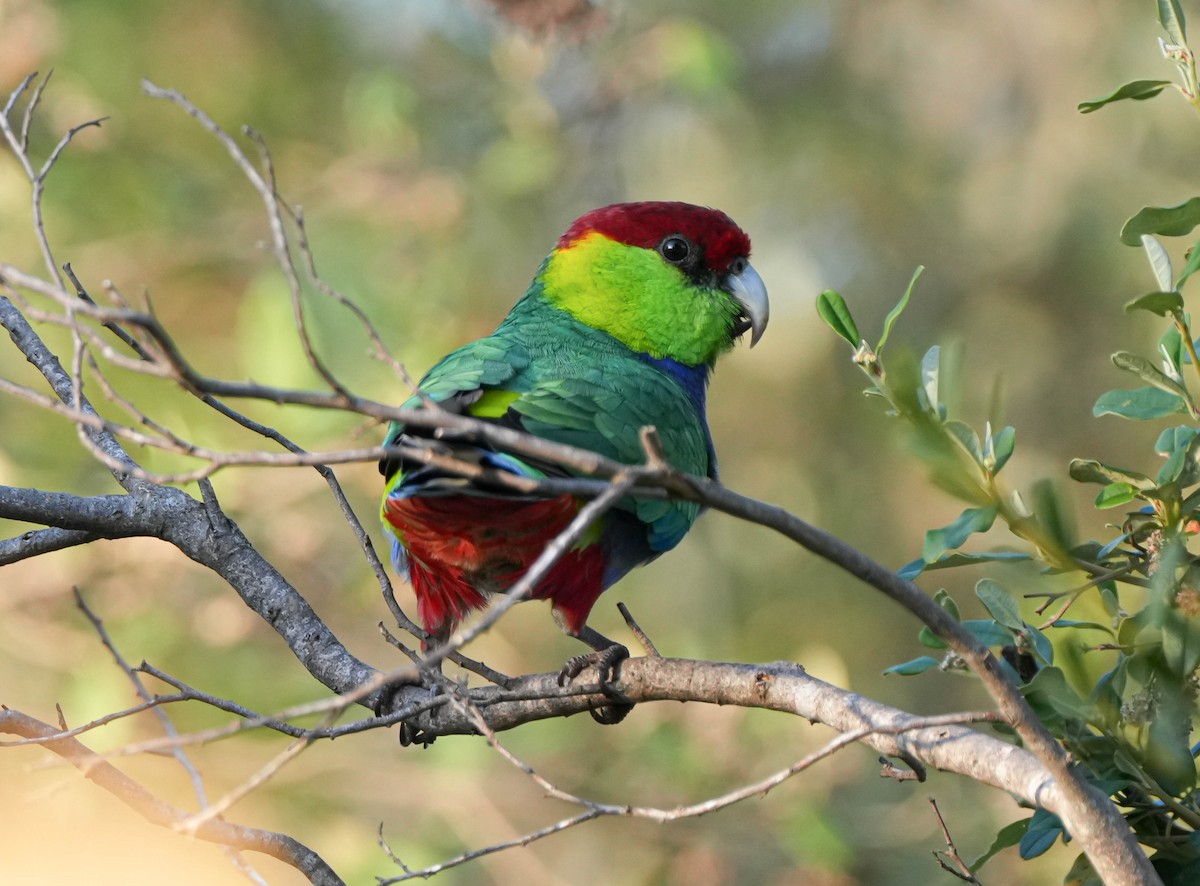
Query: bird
[619, 330]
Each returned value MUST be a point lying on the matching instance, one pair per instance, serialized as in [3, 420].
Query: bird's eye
[675, 250]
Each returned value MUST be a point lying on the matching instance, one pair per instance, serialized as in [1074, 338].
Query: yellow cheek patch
[633, 295]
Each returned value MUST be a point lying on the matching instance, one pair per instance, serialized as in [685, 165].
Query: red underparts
[463, 548]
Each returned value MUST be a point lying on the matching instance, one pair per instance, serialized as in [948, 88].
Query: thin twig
[637, 631]
[961, 869]
[287, 849]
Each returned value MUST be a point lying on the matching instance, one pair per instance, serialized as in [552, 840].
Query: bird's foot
[410, 732]
[607, 663]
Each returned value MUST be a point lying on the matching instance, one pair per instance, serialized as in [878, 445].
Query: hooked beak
[749, 291]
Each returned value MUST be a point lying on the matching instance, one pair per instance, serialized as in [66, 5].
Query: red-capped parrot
[619, 330]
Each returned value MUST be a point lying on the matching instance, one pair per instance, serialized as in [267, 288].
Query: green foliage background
[438, 153]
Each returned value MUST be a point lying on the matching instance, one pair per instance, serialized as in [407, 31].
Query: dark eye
[675, 250]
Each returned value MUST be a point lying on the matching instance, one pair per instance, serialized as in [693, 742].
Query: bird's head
[670, 280]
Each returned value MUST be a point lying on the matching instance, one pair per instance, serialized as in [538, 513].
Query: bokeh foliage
[438, 152]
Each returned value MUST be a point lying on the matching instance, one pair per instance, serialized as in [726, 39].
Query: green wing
[488, 364]
[605, 412]
[561, 380]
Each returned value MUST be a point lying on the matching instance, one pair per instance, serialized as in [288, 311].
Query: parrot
[619, 330]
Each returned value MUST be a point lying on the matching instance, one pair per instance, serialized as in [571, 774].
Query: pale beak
[749, 291]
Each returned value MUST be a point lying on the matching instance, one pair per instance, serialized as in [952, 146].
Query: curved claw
[611, 714]
[411, 733]
[606, 662]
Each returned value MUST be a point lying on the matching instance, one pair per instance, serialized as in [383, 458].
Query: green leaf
[1043, 829]
[927, 638]
[1181, 644]
[1009, 835]
[1192, 265]
[1174, 872]
[988, 632]
[1054, 517]
[1147, 371]
[1082, 625]
[890, 320]
[909, 571]
[942, 598]
[1105, 699]
[1168, 758]
[1170, 16]
[929, 377]
[999, 604]
[1179, 444]
[1138, 90]
[1114, 495]
[1003, 443]
[1109, 600]
[1161, 303]
[1160, 262]
[1086, 470]
[1049, 694]
[1171, 347]
[1041, 645]
[915, 666]
[833, 310]
[967, 438]
[1082, 874]
[1139, 404]
[972, 520]
[1170, 221]
[1173, 439]
[958, 558]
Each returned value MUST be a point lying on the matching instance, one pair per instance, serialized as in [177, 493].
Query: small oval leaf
[1003, 443]
[1114, 495]
[833, 310]
[1170, 221]
[1161, 303]
[942, 598]
[970, 521]
[930, 364]
[1170, 16]
[926, 637]
[1086, 470]
[1044, 828]
[999, 603]
[967, 438]
[1138, 90]
[1192, 265]
[890, 320]
[915, 666]
[1042, 647]
[988, 632]
[1147, 371]
[1139, 404]
[1160, 261]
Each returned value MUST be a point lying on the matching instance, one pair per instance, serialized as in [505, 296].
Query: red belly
[463, 548]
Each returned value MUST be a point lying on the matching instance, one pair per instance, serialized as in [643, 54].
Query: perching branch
[1041, 775]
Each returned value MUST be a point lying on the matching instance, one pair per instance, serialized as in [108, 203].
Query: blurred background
[438, 150]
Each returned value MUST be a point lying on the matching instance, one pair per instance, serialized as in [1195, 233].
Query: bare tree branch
[280, 846]
[594, 809]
